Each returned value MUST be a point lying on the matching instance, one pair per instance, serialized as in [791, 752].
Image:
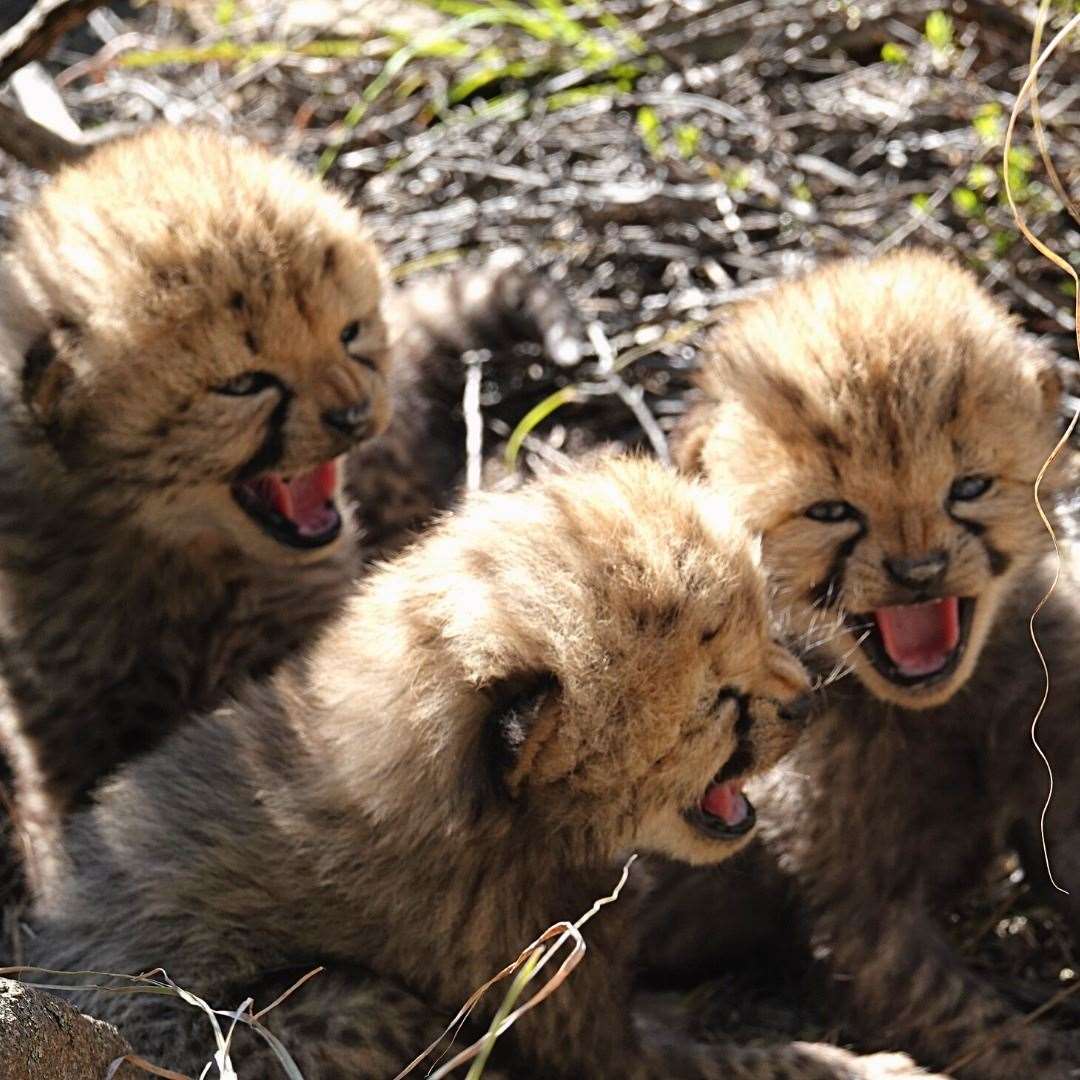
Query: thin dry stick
[563, 932]
[474, 420]
[1026, 91]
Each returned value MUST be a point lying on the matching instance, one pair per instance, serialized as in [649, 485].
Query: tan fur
[541, 686]
[133, 587]
[160, 268]
[880, 383]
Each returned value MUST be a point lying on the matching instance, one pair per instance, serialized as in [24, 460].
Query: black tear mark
[998, 560]
[742, 758]
[826, 590]
[273, 444]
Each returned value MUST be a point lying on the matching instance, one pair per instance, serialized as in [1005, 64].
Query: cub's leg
[340, 1025]
[878, 881]
[349, 1025]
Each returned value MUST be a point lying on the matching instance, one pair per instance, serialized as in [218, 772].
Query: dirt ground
[661, 160]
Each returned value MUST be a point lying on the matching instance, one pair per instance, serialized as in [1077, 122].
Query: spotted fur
[133, 589]
[880, 384]
[542, 685]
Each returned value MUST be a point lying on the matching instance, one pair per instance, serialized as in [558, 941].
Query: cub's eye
[831, 511]
[965, 488]
[350, 333]
[251, 382]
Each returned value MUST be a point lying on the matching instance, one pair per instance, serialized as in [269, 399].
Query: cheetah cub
[882, 424]
[190, 342]
[545, 683]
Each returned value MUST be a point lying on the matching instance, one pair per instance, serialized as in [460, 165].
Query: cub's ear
[48, 374]
[690, 439]
[521, 719]
[1052, 385]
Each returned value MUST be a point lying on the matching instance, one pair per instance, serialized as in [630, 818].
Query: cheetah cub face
[882, 425]
[615, 625]
[195, 332]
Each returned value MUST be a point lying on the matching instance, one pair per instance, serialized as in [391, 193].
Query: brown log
[43, 1038]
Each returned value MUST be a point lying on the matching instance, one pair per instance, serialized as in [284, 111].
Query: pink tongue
[309, 497]
[920, 638]
[726, 802]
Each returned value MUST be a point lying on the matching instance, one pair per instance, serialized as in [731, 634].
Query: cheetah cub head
[609, 635]
[881, 424]
[194, 333]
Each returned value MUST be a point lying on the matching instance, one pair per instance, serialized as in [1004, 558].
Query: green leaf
[989, 123]
[892, 53]
[687, 137]
[648, 125]
[966, 201]
[939, 30]
[536, 415]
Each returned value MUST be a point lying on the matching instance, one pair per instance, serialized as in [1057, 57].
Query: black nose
[921, 572]
[798, 711]
[352, 420]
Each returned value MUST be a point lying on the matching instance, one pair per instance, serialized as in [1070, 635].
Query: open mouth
[298, 510]
[916, 644]
[723, 812]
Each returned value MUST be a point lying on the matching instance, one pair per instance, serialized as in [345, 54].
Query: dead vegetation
[662, 159]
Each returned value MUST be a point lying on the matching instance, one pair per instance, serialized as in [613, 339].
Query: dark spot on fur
[1011, 1046]
[250, 342]
[312, 1027]
[830, 440]
[36, 359]
[350, 1036]
[329, 261]
[787, 391]
[999, 561]
[667, 618]
[161, 429]
[825, 591]
[237, 302]
[950, 405]
[709, 635]
[1045, 1056]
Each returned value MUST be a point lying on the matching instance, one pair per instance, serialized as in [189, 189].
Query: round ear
[47, 375]
[690, 440]
[522, 720]
[1052, 386]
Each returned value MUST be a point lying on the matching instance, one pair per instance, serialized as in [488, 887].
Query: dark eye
[831, 511]
[251, 382]
[965, 488]
[350, 333]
